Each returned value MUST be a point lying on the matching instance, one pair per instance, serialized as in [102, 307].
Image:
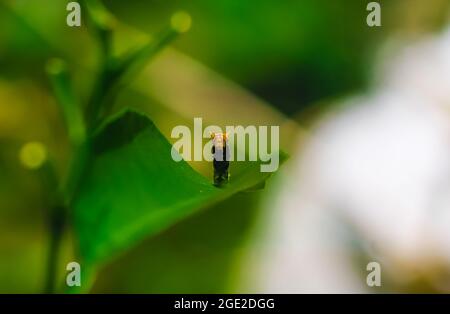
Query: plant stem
[56, 223]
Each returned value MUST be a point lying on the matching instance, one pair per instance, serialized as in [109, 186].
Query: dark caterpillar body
[221, 157]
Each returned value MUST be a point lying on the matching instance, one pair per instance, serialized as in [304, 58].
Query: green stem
[56, 223]
[116, 73]
[70, 108]
[71, 111]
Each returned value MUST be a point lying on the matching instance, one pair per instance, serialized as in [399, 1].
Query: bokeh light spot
[33, 154]
[181, 21]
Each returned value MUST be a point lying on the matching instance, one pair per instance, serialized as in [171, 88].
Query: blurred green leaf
[134, 189]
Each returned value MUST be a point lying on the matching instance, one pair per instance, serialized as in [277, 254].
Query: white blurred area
[371, 184]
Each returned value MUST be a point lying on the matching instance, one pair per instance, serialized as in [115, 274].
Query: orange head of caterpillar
[219, 139]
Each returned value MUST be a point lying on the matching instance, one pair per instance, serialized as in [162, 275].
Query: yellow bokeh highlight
[33, 155]
[181, 21]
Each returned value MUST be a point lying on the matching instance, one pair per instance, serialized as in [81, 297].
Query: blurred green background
[294, 55]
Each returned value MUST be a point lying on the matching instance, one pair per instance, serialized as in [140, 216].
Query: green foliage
[135, 189]
[120, 184]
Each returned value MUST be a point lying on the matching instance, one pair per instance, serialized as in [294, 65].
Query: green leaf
[135, 189]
